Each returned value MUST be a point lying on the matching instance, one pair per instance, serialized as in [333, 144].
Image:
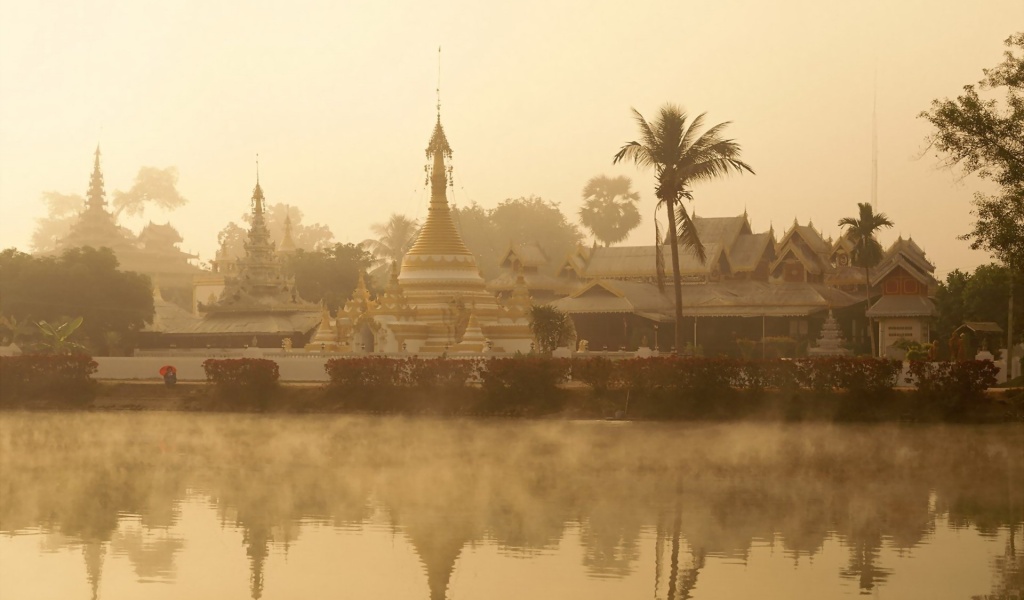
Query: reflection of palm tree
[609, 209]
[862, 567]
[681, 156]
[867, 252]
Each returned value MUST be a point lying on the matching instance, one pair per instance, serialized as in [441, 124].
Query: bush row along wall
[66, 376]
[314, 367]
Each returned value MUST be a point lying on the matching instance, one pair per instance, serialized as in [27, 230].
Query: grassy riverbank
[573, 401]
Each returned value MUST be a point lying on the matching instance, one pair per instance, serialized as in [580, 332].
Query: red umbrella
[164, 370]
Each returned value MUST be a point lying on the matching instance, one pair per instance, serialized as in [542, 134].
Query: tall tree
[488, 232]
[984, 136]
[81, 282]
[867, 252]
[394, 239]
[329, 275]
[979, 134]
[609, 208]
[681, 156]
[158, 187]
[61, 212]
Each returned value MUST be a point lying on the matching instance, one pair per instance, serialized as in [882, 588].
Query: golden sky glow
[338, 100]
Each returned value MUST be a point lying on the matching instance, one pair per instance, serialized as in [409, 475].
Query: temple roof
[722, 299]
[902, 306]
[748, 249]
[528, 254]
[253, 323]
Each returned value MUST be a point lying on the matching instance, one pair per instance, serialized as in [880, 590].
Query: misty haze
[217, 506]
[460, 299]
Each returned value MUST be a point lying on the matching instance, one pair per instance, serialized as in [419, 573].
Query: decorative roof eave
[894, 306]
[884, 269]
[601, 284]
[800, 256]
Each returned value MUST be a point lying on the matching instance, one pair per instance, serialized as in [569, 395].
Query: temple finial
[438, 84]
[257, 168]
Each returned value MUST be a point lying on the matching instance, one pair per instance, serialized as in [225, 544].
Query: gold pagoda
[437, 303]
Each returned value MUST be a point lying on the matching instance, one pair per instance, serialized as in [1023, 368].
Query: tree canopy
[609, 208]
[978, 296]
[152, 185]
[306, 237]
[861, 231]
[984, 134]
[489, 232]
[81, 282]
[394, 239]
[330, 274]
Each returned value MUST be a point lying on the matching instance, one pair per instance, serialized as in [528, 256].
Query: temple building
[438, 301]
[153, 252]
[258, 305]
[752, 287]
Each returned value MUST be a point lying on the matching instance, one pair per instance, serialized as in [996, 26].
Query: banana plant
[55, 337]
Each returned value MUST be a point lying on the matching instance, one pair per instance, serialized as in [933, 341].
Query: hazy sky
[338, 100]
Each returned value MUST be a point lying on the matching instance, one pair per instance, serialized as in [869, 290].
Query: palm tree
[681, 156]
[609, 210]
[394, 239]
[867, 252]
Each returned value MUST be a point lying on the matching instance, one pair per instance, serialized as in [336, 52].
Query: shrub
[440, 373]
[551, 328]
[598, 372]
[350, 375]
[860, 376]
[515, 384]
[953, 384]
[242, 377]
[59, 376]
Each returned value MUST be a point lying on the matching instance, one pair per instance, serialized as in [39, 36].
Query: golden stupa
[438, 302]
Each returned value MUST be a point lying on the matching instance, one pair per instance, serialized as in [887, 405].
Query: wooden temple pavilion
[752, 287]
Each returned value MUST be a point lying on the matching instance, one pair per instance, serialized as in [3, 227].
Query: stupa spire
[96, 195]
[439, 236]
[287, 242]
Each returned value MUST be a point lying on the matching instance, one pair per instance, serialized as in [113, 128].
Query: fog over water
[227, 506]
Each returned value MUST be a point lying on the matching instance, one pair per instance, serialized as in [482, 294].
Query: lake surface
[159, 505]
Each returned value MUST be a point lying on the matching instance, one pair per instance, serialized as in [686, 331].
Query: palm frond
[693, 134]
[686, 233]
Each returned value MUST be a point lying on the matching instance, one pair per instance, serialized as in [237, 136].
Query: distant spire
[287, 242]
[96, 192]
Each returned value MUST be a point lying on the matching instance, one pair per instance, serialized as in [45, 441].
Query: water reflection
[644, 502]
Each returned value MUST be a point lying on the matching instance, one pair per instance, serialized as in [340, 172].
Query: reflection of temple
[153, 252]
[259, 304]
[438, 302]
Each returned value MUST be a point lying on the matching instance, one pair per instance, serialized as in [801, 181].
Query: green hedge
[50, 376]
[242, 380]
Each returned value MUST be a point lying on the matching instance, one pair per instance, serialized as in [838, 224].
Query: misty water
[157, 505]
